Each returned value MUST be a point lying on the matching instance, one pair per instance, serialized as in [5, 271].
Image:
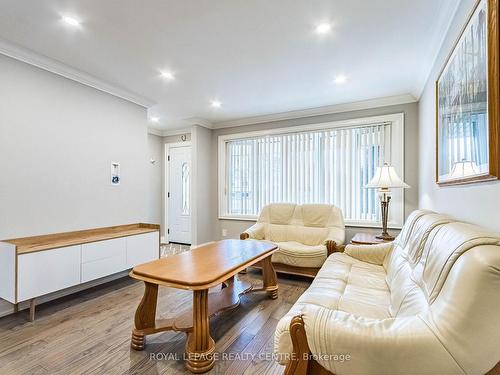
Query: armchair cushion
[300, 255]
[300, 231]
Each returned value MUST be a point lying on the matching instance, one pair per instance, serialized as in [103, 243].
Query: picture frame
[468, 102]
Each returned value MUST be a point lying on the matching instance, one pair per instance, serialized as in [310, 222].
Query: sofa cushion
[435, 309]
[344, 284]
[297, 254]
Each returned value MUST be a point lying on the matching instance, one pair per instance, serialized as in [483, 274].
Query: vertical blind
[328, 166]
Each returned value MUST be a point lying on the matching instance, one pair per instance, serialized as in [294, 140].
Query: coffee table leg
[200, 346]
[145, 315]
[270, 280]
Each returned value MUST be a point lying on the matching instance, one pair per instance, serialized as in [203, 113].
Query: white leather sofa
[305, 235]
[427, 303]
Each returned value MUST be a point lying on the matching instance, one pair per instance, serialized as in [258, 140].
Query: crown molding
[318, 111]
[54, 66]
[155, 131]
[199, 121]
[168, 133]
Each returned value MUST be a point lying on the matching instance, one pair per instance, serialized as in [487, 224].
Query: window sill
[347, 224]
[238, 218]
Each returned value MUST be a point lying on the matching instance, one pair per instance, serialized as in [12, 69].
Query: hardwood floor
[172, 248]
[89, 333]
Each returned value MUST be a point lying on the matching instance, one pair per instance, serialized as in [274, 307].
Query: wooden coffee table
[198, 270]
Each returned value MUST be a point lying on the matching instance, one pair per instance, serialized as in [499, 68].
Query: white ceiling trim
[168, 133]
[336, 108]
[154, 131]
[199, 121]
[43, 62]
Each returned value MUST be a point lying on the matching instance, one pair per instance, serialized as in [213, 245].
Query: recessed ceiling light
[169, 76]
[340, 79]
[155, 120]
[323, 28]
[215, 103]
[70, 21]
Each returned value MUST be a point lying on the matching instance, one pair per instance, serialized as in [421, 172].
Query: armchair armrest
[374, 254]
[334, 241]
[332, 247]
[256, 232]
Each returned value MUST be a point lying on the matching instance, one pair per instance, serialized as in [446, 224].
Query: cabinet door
[103, 258]
[143, 248]
[48, 271]
[103, 249]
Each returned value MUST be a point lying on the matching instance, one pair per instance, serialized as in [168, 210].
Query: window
[324, 163]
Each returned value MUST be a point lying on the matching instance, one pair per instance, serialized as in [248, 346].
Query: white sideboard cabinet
[31, 267]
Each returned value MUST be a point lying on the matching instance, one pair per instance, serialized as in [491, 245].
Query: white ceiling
[257, 57]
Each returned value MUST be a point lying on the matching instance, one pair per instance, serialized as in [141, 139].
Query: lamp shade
[386, 177]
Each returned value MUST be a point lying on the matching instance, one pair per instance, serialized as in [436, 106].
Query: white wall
[155, 188]
[57, 140]
[478, 203]
[204, 185]
[235, 227]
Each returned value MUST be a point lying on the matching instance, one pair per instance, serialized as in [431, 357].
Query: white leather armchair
[425, 304]
[305, 235]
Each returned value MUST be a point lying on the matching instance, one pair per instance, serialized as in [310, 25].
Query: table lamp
[385, 178]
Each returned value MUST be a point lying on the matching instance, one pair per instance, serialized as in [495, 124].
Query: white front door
[179, 194]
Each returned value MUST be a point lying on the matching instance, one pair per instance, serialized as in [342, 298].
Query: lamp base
[385, 236]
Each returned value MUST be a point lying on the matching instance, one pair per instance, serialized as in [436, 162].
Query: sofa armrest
[345, 343]
[374, 254]
[255, 232]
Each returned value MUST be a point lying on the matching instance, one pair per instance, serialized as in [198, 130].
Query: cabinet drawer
[103, 249]
[143, 248]
[48, 271]
[103, 267]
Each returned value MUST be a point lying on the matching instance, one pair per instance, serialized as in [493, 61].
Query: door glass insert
[185, 188]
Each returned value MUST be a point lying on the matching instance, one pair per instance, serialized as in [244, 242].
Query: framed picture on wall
[468, 102]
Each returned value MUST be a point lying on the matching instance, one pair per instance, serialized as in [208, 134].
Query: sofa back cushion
[424, 254]
[444, 246]
[309, 224]
[464, 313]
[407, 297]
[420, 232]
[411, 238]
